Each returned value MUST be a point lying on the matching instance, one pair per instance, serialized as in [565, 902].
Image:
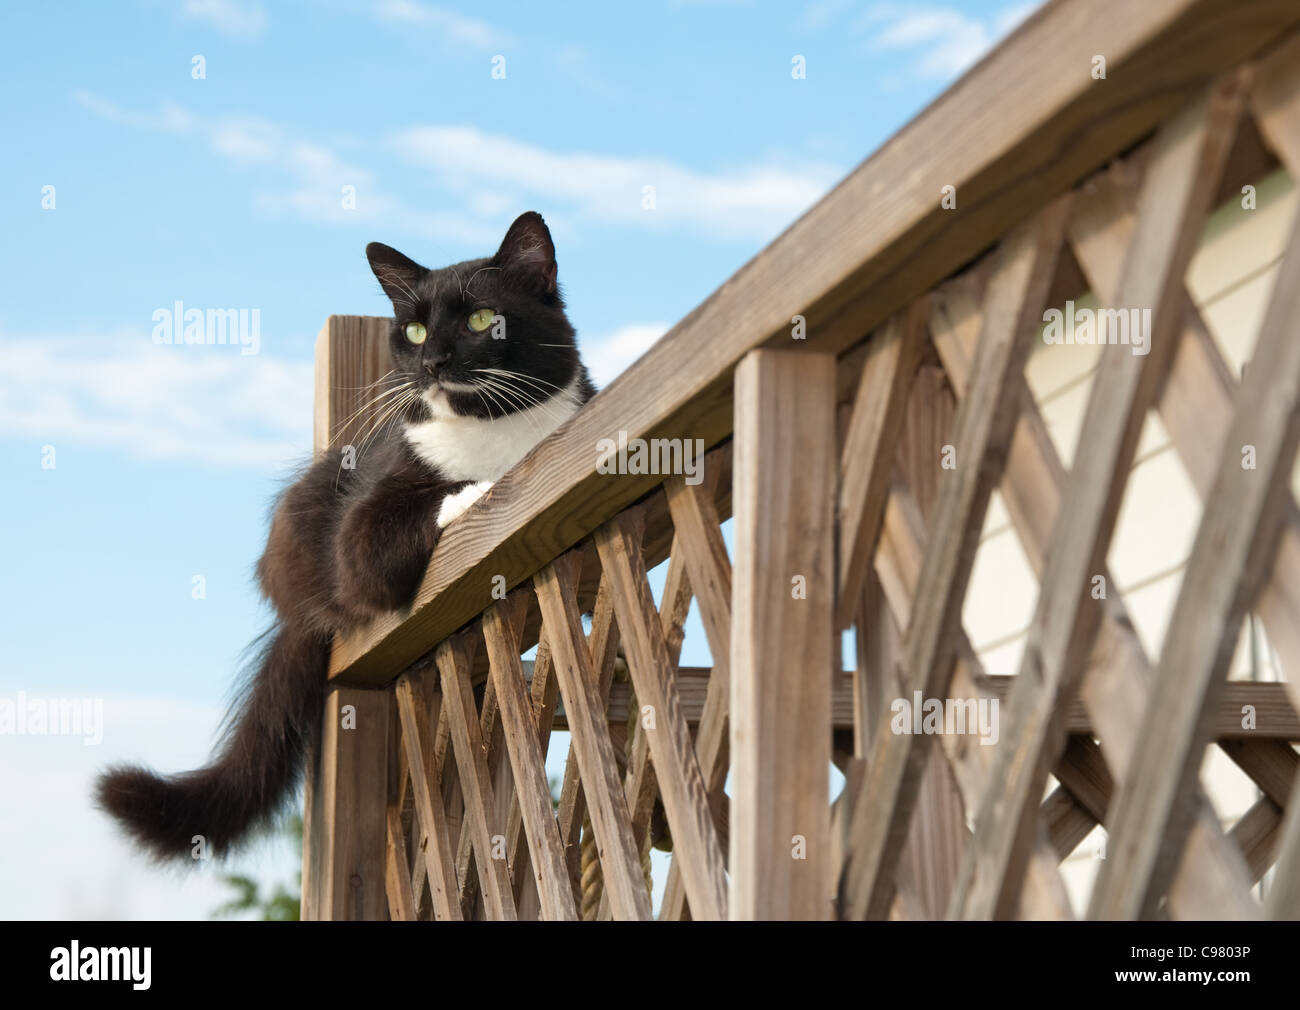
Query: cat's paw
[456, 503]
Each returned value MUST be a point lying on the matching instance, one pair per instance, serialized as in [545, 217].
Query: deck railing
[859, 388]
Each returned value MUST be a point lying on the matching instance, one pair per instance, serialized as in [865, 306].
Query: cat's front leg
[384, 544]
[454, 504]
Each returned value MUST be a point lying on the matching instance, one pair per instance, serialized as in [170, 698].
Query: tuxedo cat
[484, 365]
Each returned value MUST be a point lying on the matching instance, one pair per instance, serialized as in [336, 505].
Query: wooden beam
[782, 632]
[344, 836]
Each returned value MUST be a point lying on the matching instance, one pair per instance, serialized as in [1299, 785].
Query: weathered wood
[475, 778]
[866, 463]
[344, 830]
[1182, 177]
[620, 861]
[1026, 266]
[397, 878]
[1196, 400]
[345, 809]
[413, 708]
[898, 566]
[782, 635]
[1116, 684]
[938, 832]
[709, 568]
[681, 785]
[529, 763]
[1275, 717]
[1232, 556]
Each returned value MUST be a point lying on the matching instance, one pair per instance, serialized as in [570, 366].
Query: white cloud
[946, 41]
[751, 202]
[491, 172]
[449, 24]
[230, 17]
[170, 117]
[193, 402]
[606, 357]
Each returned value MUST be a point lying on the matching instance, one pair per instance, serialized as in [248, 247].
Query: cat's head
[485, 337]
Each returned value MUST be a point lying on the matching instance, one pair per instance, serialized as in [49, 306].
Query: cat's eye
[481, 319]
[415, 332]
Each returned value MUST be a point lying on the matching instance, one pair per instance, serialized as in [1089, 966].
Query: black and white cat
[484, 365]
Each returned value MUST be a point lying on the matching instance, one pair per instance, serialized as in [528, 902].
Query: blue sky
[227, 191]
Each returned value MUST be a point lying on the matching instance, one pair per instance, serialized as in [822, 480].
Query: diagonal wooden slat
[475, 778]
[1186, 161]
[397, 879]
[413, 710]
[867, 459]
[1232, 556]
[603, 648]
[1026, 266]
[620, 861]
[529, 763]
[938, 832]
[640, 785]
[681, 785]
[705, 552]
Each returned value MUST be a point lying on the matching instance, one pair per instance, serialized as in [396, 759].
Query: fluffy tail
[255, 771]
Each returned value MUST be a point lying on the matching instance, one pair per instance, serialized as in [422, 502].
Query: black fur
[348, 543]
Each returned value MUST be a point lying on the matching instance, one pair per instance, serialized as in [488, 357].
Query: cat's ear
[397, 274]
[527, 254]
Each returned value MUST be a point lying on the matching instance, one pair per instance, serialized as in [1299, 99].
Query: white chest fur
[470, 448]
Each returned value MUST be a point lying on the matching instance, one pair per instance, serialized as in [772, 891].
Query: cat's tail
[256, 769]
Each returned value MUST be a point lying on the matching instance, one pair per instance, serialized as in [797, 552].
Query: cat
[484, 365]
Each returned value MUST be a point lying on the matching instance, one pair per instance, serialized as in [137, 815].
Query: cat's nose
[433, 362]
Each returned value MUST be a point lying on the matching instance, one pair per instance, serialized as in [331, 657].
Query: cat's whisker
[523, 402]
[520, 375]
[369, 405]
[390, 410]
[506, 394]
[548, 406]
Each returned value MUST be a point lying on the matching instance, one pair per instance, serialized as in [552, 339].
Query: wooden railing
[857, 449]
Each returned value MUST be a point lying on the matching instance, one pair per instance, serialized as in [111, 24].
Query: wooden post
[782, 635]
[344, 831]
